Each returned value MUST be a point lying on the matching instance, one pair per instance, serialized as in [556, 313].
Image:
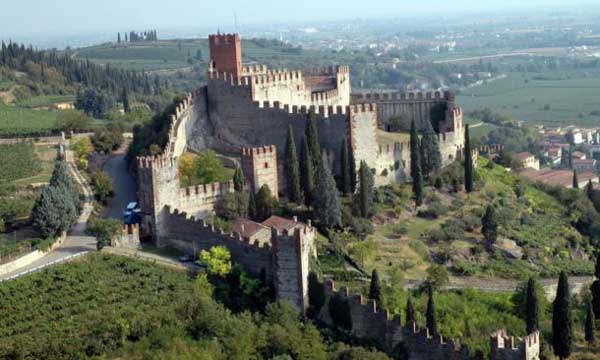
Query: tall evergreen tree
[590, 325]
[431, 159]
[264, 203]
[575, 180]
[595, 288]
[365, 190]
[430, 315]
[346, 181]
[415, 165]
[125, 100]
[252, 205]
[589, 190]
[292, 169]
[532, 307]
[61, 177]
[562, 330]
[411, 315]
[118, 38]
[307, 172]
[489, 224]
[468, 162]
[238, 180]
[353, 172]
[327, 207]
[312, 135]
[375, 290]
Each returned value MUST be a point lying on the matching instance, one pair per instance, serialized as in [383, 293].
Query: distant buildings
[529, 160]
[559, 177]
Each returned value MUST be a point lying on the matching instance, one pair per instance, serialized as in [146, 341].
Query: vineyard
[19, 161]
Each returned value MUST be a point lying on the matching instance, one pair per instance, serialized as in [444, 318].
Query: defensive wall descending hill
[369, 322]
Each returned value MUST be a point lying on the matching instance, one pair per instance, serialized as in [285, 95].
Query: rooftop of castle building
[247, 228]
[280, 224]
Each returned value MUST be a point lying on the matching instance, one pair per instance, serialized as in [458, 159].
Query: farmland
[553, 98]
[15, 121]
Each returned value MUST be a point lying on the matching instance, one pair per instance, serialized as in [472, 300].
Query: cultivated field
[15, 121]
[552, 98]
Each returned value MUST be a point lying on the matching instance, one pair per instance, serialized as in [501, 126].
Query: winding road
[124, 186]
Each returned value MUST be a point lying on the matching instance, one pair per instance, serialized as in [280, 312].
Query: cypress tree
[489, 224]
[327, 206]
[575, 180]
[251, 205]
[590, 325]
[292, 169]
[346, 183]
[238, 180]
[595, 288]
[366, 190]
[411, 316]
[125, 100]
[353, 174]
[562, 331]
[532, 307]
[431, 159]
[415, 166]
[375, 290]
[312, 135]
[468, 162]
[431, 318]
[118, 38]
[307, 173]
[61, 177]
[589, 190]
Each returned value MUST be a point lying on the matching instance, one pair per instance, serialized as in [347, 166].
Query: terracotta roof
[523, 155]
[578, 155]
[280, 223]
[584, 161]
[247, 228]
[557, 177]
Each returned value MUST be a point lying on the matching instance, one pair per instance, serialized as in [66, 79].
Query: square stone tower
[260, 168]
[226, 54]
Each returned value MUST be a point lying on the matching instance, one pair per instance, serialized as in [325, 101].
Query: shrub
[103, 186]
[433, 211]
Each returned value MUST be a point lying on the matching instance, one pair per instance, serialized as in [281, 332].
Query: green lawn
[552, 98]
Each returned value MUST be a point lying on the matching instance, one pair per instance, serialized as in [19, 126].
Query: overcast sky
[55, 17]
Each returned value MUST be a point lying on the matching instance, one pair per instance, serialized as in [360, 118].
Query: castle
[247, 109]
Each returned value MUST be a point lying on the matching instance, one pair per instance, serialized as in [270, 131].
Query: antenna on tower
[235, 22]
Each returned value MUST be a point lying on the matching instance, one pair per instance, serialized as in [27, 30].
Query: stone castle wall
[374, 324]
[260, 168]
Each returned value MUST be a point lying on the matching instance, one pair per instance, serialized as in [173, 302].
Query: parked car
[132, 214]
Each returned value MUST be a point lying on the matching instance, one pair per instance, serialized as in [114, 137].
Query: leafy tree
[375, 290]
[232, 206]
[218, 261]
[411, 315]
[73, 120]
[415, 166]
[102, 184]
[431, 161]
[53, 212]
[562, 330]
[575, 180]
[82, 147]
[312, 135]
[292, 169]
[430, 315]
[238, 180]
[104, 230]
[307, 173]
[346, 182]
[468, 162]
[94, 103]
[316, 295]
[437, 276]
[209, 169]
[366, 190]
[107, 140]
[489, 224]
[532, 307]
[590, 325]
[264, 203]
[327, 206]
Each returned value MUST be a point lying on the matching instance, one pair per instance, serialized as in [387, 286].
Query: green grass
[47, 100]
[571, 96]
[15, 121]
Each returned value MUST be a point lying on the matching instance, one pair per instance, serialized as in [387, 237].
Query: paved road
[124, 186]
[77, 242]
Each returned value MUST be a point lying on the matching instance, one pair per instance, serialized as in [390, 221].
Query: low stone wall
[29, 258]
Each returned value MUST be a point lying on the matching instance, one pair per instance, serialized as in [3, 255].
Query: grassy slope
[19, 120]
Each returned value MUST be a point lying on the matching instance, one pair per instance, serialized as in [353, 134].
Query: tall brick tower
[260, 168]
[226, 53]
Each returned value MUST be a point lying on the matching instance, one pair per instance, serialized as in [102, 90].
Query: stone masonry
[260, 168]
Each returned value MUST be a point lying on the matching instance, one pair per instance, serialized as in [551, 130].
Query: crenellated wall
[129, 237]
[260, 168]
[374, 324]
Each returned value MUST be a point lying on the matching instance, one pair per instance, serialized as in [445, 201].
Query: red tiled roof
[523, 155]
[280, 223]
[247, 228]
[557, 177]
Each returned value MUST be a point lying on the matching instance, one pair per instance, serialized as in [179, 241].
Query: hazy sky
[73, 16]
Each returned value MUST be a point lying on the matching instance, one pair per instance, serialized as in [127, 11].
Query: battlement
[155, 162]
[322, 111]
[403, 96]
[504, 347]
[223, 39]
[269, 149]
[327, 70]
[395, 148]
[491, 149]
[207, 190]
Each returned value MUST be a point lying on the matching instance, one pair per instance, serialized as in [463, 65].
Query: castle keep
[247, 109]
